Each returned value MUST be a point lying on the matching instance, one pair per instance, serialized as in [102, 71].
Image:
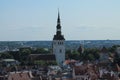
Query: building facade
[58, 43]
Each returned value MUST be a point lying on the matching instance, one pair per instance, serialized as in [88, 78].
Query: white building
[59, 43]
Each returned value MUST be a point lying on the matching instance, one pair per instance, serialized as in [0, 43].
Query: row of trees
[77, 54]
[23, 54]
[88, 54]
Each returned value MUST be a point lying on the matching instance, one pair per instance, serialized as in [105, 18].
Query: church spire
[58, 25]
[58, 20]
[58, 43]
[58, 35]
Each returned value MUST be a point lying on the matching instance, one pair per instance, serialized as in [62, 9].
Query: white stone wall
[59, 50]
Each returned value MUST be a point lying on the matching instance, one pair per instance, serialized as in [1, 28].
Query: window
[60, 50]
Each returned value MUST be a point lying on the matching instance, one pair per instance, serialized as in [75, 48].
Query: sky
[25, 20]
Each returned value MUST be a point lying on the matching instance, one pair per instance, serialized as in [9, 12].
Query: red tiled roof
[19, 76]
[86, 69]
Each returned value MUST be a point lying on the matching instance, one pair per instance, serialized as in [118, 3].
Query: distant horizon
[66, 40]
[80, 20]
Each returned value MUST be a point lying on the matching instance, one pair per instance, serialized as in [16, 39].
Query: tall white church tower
[59, 43]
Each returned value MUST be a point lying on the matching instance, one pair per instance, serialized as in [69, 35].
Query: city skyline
[26, 20]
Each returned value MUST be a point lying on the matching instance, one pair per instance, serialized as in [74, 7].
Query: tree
[91, 57]
[15, 54]
[113, 48]
[80, 49]
[41, 51]
[6, 55]
[91, 54]
[72, 54]
[23, 55]
[68, 54]
[117, 59]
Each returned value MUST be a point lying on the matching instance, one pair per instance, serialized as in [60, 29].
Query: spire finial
[58, 13]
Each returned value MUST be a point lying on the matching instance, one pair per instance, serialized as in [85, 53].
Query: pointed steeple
[58, 20]
[58, 35]
[58, 24]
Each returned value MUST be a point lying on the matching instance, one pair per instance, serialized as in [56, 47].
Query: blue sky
[80, 19]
